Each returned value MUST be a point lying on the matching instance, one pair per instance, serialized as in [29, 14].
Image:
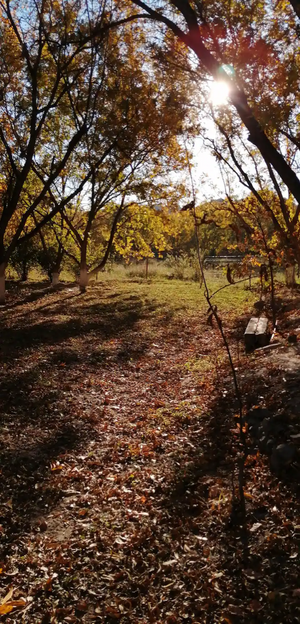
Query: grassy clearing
[173, 296]
[179, 295]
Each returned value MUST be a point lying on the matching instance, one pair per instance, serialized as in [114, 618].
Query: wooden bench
[256, 334]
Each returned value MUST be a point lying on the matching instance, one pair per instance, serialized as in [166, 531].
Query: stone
[269, 446]
[254, 418]
[282, 456]
[253, 430]
[267, 424]
[296, 436]
[257, 414]
[262, 444]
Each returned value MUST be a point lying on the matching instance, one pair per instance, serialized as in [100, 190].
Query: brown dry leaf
[112, 612]
[48, 585]
[255, 606]
[82, 606]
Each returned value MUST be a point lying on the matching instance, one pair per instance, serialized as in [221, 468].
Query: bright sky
[206, 174]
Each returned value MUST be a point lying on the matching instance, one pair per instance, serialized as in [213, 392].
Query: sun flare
[219, 92]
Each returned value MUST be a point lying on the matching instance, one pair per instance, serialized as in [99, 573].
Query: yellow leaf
[56, 466]
[7, 597]
[5, 609]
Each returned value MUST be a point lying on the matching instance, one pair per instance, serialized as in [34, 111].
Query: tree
[144, 124]
[245, 46]
[47, 67]
[263, 204]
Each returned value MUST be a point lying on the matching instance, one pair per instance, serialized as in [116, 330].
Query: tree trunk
[24, 272]
[2, 283]
[55, 278]
[83, 277]
[57, 267]
[290, 278]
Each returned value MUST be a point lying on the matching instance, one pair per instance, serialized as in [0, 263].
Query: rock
[267, 424]
[279, 426]
[262, 444]
[282, 456]
[269, 446]
[257, 414]
[296, 436]
[254, 418]
[253, 430]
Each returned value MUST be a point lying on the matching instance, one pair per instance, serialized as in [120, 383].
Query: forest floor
[119, 447]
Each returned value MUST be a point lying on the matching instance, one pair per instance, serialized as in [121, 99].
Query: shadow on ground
[44, 362]
[219, 570]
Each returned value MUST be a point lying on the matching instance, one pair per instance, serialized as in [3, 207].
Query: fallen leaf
[5, 609]
[255, 606]
[82, 606]
[7, 597]
[255, 526]
[56, 466]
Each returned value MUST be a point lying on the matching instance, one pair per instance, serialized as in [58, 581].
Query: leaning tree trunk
[2, 283]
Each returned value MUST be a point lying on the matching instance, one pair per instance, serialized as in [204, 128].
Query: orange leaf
[18, 603]
[5, 609]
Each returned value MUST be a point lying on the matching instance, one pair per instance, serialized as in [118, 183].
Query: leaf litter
[118, 449]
